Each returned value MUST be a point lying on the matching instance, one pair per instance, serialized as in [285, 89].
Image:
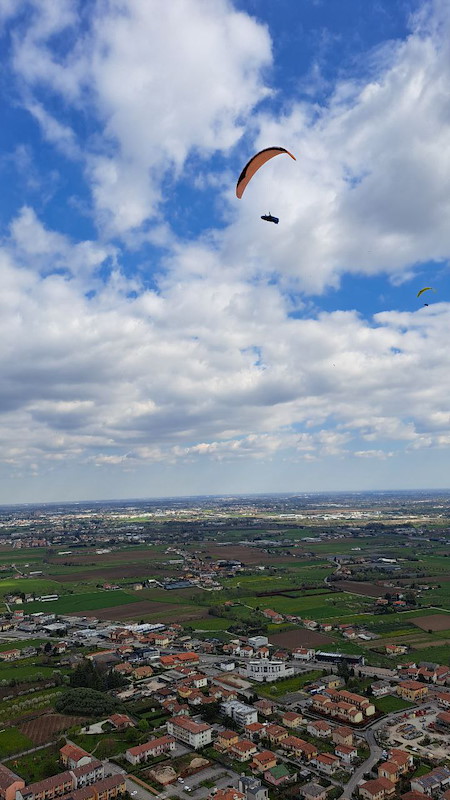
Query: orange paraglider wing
[255, 163]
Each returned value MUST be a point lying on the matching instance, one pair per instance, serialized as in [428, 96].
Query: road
[375, 755]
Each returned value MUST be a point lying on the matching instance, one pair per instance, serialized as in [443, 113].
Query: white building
[240, 712]
[258, 641]
[264, 670]
[184, 729]
[303, 653]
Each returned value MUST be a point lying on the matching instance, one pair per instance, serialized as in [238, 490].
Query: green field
[21, 644]
[318, 607]
[28, 586]
[13, 741]
[294, 684]
[390, 703]
[73, 603]
[37, 766]
[210, 624]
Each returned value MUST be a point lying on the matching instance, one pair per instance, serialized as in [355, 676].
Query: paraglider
[255, 163]
[425, 289]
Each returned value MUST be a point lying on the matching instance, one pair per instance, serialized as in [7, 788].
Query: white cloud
[203, 369]
[164, 80]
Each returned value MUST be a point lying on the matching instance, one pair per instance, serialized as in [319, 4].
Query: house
[389, 770]
[10, 783]
[327, 763]
[319, 728]
[10, 655]
[140, 673]
[72, 756]
[396, 649]
[275, 733]
[254, 731]
[227, 794]
[278, 775]
[377, 789]
[346, 754]
[120, 721]
[184, 729]
[273, 616]
[437, 780]
[243, 750]
[226, 739]
[264, 707]
[252, 788]
[312, 791]
[342, 735]
[303, 653]
[404, 760]
[413, 691]
[381, 688]
[444, 699]
[299, 748]
[263, 761]
[292, 719]
[155, 747]
[246, 651]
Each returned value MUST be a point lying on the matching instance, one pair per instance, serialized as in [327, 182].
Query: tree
[85, 702]
[143, 725]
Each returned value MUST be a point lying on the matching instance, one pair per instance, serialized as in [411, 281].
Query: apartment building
[49, 788]
[357, 700]
[10, 783]
[240, 712]
[414, 691]
[150, 749]
[184, 729]
[88, 774]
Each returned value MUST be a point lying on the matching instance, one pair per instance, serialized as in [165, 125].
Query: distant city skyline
[157, 338]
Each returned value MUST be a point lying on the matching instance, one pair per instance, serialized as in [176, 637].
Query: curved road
[366, 766]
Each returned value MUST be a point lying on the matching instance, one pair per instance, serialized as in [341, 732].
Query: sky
[157, 337]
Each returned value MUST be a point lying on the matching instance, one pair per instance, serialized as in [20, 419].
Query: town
[290, 661]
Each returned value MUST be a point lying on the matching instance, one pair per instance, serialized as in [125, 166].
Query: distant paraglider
[253, 166]
[425, 289]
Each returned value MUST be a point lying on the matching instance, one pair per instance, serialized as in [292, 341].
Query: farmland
[81, 603]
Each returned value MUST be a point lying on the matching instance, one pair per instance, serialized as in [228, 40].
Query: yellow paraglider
[425, 289]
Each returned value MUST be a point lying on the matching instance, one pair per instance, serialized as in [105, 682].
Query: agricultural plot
[318, 607]
[435, 622]
[82, 603]
[152, 612]
[48, 726]
[37, 586]
[300, 637]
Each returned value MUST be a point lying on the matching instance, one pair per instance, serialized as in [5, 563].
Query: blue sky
[157, 337]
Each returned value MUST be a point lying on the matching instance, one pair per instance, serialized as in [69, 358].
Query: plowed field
[434, 622]
[47, 727]
[300, 637]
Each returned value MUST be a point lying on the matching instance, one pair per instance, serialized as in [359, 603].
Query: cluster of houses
[82, 779]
